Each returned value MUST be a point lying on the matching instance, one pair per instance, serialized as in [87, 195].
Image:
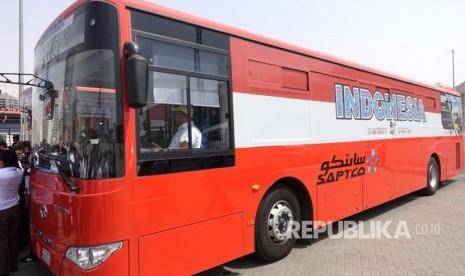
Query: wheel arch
[264, 249]
[301, 192]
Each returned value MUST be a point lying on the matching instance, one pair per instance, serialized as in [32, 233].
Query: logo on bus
[43, 211]
[361, 104]
[351, 166]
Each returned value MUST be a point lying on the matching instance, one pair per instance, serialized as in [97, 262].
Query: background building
[10, 116]
[25, 107]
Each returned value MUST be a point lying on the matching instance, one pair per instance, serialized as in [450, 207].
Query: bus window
[168, 113]
[185, 117]
[186, 122]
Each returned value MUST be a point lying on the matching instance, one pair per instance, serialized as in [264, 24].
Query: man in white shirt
[181, 139]
[10, 179]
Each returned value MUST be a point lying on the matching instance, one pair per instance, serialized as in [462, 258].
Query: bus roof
[189, 18]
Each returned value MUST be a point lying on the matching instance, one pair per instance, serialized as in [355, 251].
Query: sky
[412, 39]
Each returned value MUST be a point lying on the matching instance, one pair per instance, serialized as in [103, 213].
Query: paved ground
[436, 247]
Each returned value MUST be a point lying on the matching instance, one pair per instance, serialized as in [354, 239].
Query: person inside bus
[15, 139]
[181, 139]
[10, 217]
[148, 139]
[3, 145]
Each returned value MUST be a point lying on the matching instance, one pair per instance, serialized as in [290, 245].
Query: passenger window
[180, 57]
[184, 113]
[211, 112]
[186, 123]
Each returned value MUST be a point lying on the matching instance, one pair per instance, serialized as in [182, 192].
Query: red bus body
[184, 223]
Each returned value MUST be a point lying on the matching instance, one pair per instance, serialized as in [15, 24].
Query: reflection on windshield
[84, 128]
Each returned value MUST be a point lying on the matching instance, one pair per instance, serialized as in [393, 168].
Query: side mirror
[49, 103]
[137, 76]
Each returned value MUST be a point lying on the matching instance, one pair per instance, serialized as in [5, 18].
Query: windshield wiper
[65, 174]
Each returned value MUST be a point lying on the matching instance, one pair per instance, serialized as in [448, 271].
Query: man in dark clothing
[3, 145]
[23, 150]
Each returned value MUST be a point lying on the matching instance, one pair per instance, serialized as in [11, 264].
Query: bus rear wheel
[432, 178]
[275, 217]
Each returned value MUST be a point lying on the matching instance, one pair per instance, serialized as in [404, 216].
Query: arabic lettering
[340, 169]
[340, 163]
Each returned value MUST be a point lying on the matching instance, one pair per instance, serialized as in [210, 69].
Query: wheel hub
[280, 222]
[433, 176]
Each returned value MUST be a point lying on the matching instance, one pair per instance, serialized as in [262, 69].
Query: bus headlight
[91, 257]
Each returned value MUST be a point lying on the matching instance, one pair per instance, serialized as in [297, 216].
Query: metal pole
[453, 70]
[21, 47]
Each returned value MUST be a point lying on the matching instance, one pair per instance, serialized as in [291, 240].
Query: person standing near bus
[23, 150]
[10, 179]
[15, 139]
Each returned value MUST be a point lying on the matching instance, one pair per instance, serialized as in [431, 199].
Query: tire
[276, 213]
[432, 177]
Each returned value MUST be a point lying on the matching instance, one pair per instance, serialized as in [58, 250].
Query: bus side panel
[412, 157]
[453, 161]
[192, 248]
[378, 182]
[339, 199]
[338, 177]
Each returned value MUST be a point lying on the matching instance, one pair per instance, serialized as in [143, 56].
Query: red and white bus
[287, 135]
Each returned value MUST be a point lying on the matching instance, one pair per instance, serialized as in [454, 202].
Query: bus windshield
[82, 123]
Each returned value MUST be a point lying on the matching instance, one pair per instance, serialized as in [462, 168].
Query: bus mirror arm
[33, 80]
[137, 75]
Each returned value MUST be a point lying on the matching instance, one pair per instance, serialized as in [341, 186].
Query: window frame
[194, 155]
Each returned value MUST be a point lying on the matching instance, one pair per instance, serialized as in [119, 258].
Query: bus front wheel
[432, 178]
[276, 215]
